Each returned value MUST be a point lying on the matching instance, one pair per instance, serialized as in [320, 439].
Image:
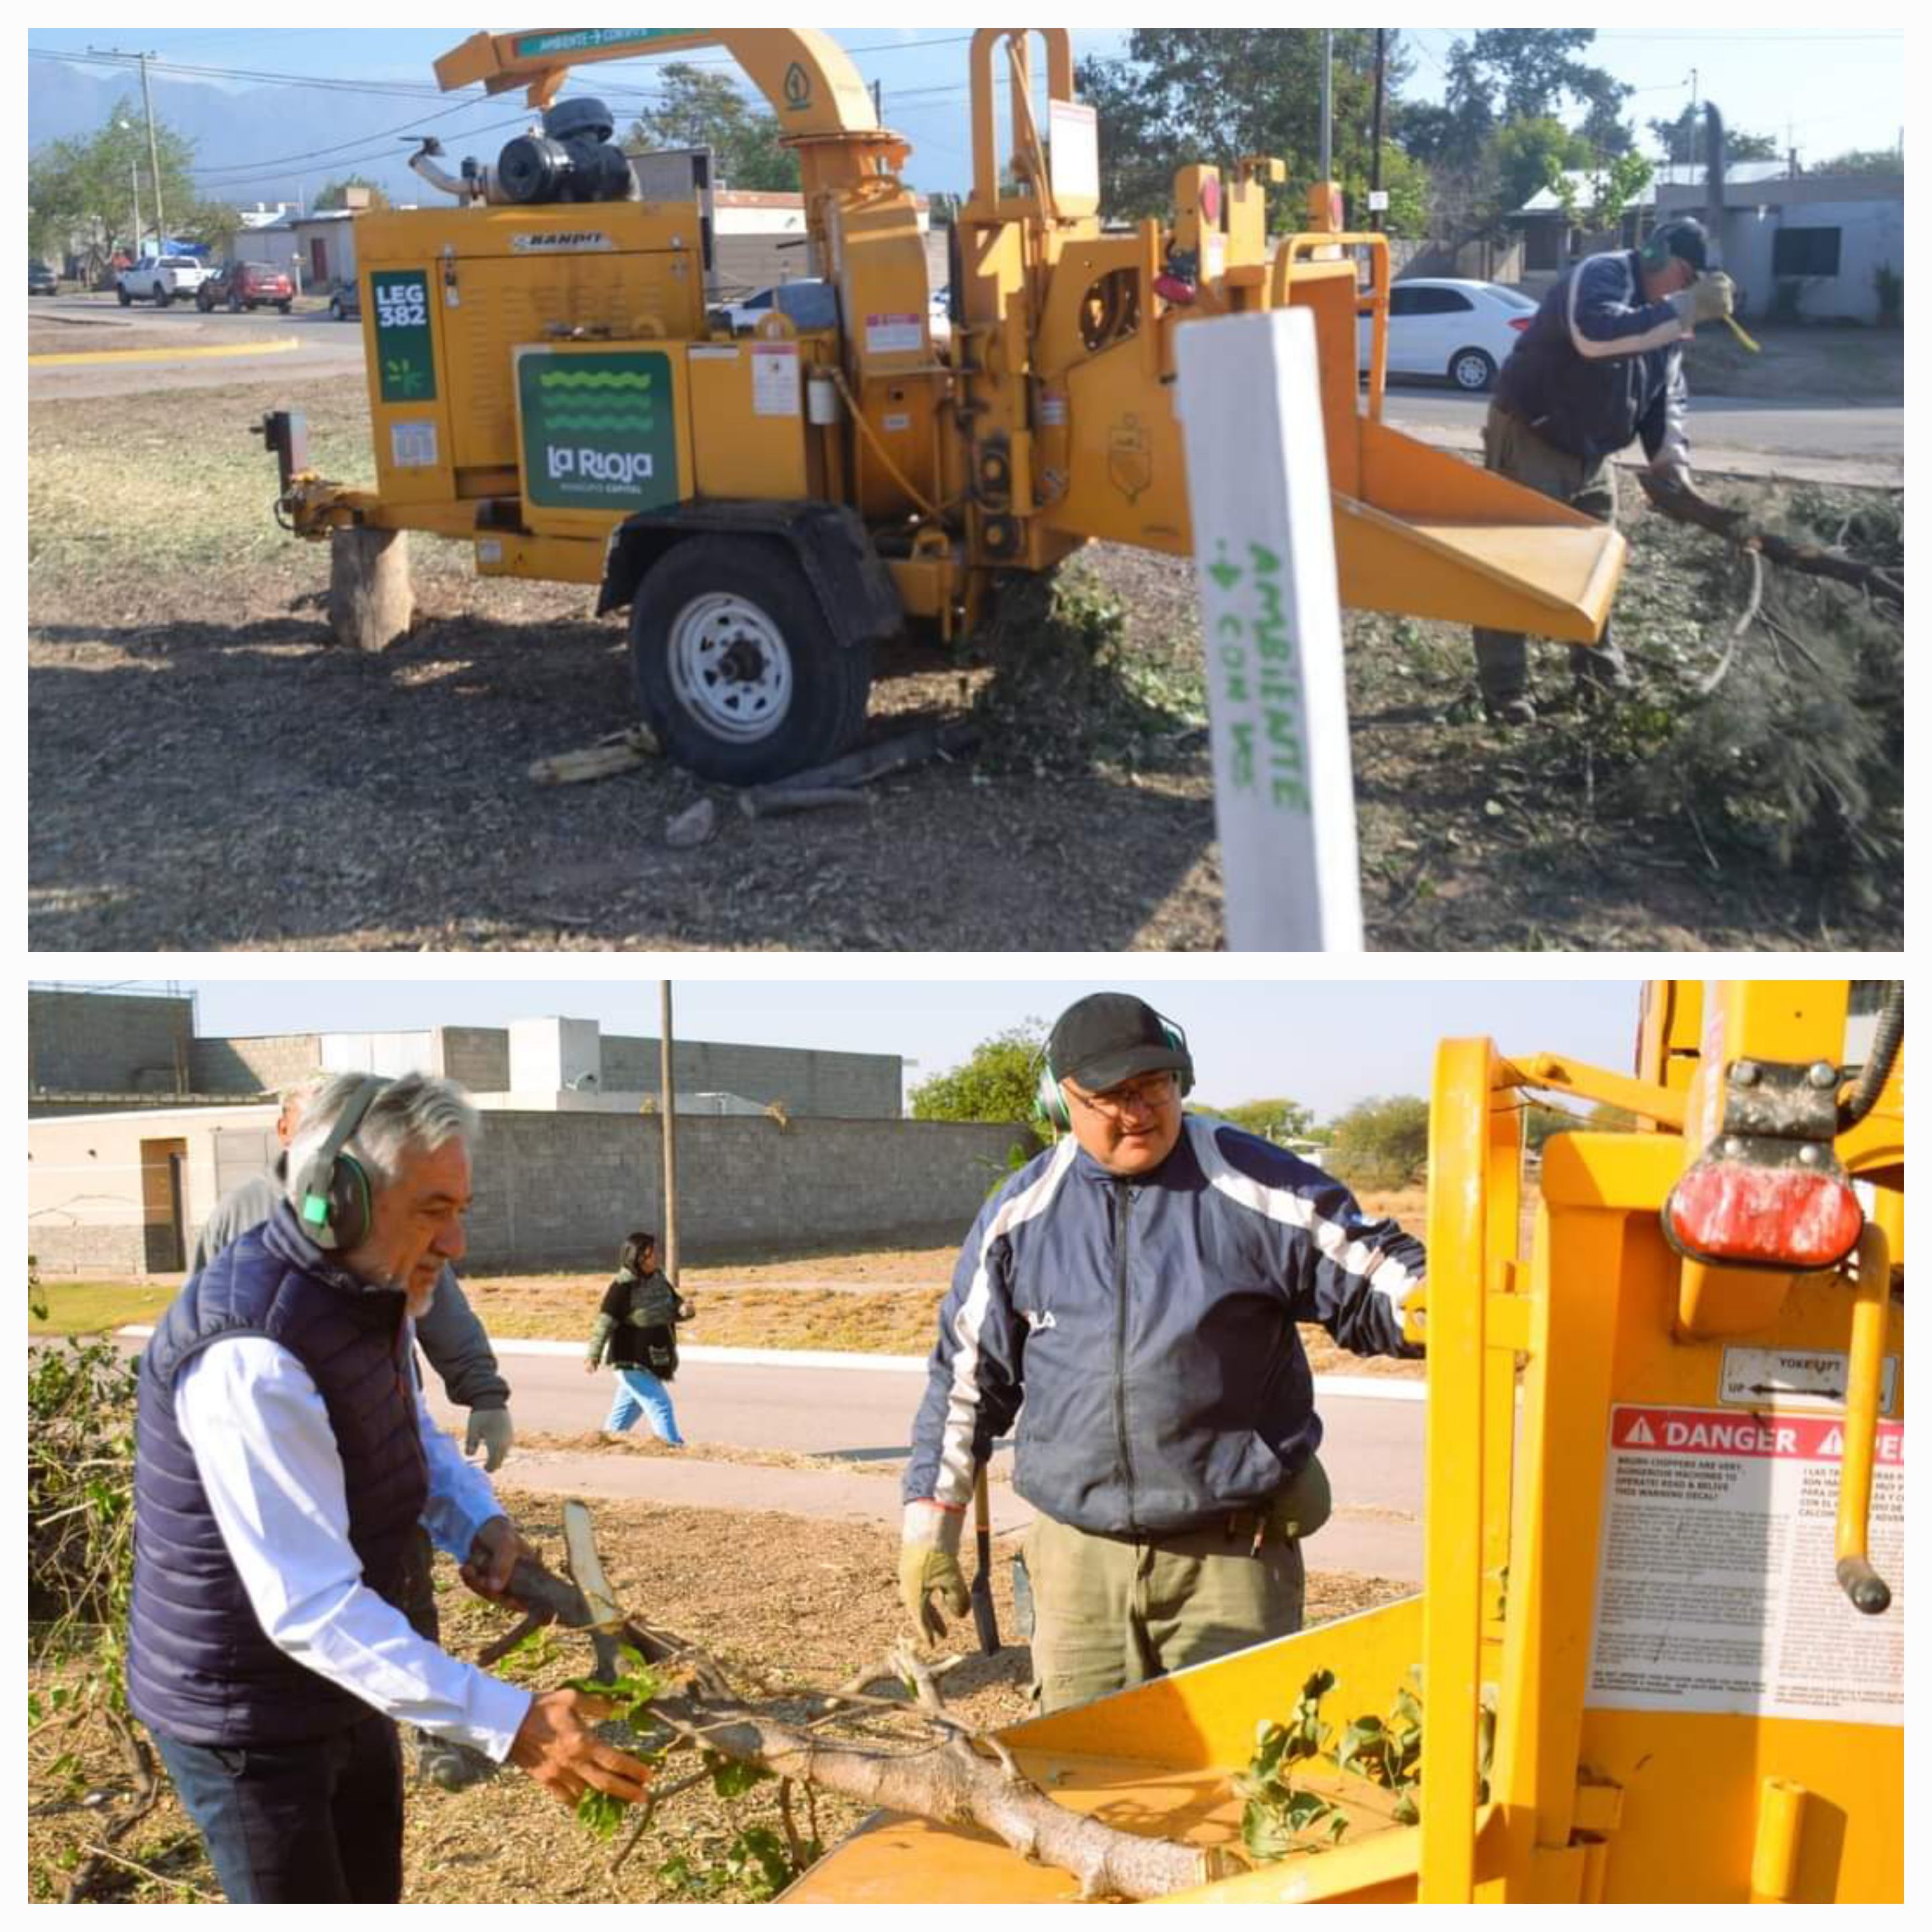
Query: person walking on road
[637, 1333]
[1600, 365]
[1132, 1296]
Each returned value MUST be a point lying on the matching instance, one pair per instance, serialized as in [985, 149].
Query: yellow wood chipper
[549, 381]
[1659, 1654]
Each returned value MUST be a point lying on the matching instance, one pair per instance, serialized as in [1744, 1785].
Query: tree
[1214, 94]
[1682, 139]
[1381, 1143]
[335, 194]
[1863, 161]
[699, 108]
[1273, 1119]
[999, 1082]
[1532, 153]
[81, 192]
[1612, 188]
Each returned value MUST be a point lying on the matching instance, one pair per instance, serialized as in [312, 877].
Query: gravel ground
[208, 771]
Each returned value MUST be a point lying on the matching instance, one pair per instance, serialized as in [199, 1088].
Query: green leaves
[729, 1777]
[600, 1814]
[629, 1695]
[1276, 1818]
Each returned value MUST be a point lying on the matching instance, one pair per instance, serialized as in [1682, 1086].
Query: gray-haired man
[284, 1460]
[449, 1332]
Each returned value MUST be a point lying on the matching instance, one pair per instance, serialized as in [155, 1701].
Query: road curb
[1354, 1388]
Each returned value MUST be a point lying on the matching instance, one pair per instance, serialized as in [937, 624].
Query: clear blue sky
[1822, 87]
[1327, 1044]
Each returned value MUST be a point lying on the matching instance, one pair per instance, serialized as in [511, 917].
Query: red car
[242, 285]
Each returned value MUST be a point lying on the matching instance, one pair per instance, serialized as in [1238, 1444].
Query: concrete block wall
[477, 1057]
[560, 1190]
[260, 1064]
[830, 1086]
[107, 1042]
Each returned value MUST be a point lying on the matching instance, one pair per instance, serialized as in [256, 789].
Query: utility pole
[667, 1127]
[1328, 104]
[153, 147]
[1376, 143]
[134, 184]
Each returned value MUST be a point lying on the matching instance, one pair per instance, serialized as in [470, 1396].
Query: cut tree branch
[956, 1778]
[1687, 506]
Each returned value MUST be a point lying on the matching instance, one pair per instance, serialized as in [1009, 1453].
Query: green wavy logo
[593, 378]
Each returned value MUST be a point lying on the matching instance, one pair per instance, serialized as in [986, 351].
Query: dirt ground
[1823, 364]
[803, 1604]
[208, 772]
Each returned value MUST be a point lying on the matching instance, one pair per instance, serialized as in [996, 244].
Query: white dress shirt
[266, 1454]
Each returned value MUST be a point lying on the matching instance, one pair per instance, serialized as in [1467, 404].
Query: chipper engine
[549, 383]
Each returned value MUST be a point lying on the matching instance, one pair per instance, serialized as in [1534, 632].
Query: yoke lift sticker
[1717, 1588]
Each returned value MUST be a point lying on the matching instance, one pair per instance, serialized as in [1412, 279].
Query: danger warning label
[1717, 1587]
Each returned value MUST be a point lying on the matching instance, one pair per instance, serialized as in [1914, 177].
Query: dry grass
[784, 1603]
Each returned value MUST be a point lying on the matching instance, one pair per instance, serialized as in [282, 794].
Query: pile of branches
[80, 1567]
[1778, 727]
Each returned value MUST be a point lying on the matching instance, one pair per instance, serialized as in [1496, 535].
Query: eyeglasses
[1152, 1093]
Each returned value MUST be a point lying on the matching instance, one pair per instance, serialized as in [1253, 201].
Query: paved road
[1797, 439]
[1372, 1448]
[1808, 441]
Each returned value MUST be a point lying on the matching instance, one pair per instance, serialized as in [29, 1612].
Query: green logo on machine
[588, 40]
[598, 430]
[405, 351]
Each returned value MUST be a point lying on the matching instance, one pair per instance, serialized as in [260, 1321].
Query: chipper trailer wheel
[736, 669]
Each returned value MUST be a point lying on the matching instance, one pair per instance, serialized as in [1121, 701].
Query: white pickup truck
[160, 278]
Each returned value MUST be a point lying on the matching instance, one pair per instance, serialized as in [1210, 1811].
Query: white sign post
[1250, 408]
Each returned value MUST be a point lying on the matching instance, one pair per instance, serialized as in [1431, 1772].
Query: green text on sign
[405, 355]
[598, 431]
[588, 40]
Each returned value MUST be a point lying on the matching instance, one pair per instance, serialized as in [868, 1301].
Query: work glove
[489, 1431]
[929, 1561]
[1303, 1504]
[1710, 299]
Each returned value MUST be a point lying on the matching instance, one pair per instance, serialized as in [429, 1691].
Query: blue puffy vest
[200, 1667]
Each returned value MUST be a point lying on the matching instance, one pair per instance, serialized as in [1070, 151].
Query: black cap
[1685, 237]
[1109, 1037]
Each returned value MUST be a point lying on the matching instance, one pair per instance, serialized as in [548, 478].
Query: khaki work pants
[1512, 449]
[1111, 1612]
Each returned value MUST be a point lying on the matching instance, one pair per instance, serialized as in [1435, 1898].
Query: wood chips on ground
[784, 1603]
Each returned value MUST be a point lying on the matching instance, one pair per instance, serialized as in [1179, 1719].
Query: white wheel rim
[729, 667]
[1472, 372]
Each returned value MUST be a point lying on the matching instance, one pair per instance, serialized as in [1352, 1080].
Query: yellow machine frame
[1050, 422]
[1531, 1788]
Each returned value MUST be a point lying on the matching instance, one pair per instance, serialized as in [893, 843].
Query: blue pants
[640, 1393]
[319, 1822]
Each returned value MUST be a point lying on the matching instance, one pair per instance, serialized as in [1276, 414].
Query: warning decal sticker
[1717, 1588]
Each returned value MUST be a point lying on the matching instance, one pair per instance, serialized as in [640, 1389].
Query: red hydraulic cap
[1736, 1211]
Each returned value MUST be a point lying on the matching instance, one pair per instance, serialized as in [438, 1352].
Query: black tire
[163, 297]
[1472, 370]
[817, 718]
[126, 300]
[204, 301]
[334, 309]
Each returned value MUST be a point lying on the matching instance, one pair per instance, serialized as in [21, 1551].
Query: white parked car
[160, 278]
[808, 301]
[1461, 330]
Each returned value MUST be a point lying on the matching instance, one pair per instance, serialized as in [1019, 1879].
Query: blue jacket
[1149, 1325]
[1599, 367]
[199, 1666]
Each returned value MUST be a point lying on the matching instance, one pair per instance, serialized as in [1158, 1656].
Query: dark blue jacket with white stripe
[1149, 1325]
[1599, 367]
